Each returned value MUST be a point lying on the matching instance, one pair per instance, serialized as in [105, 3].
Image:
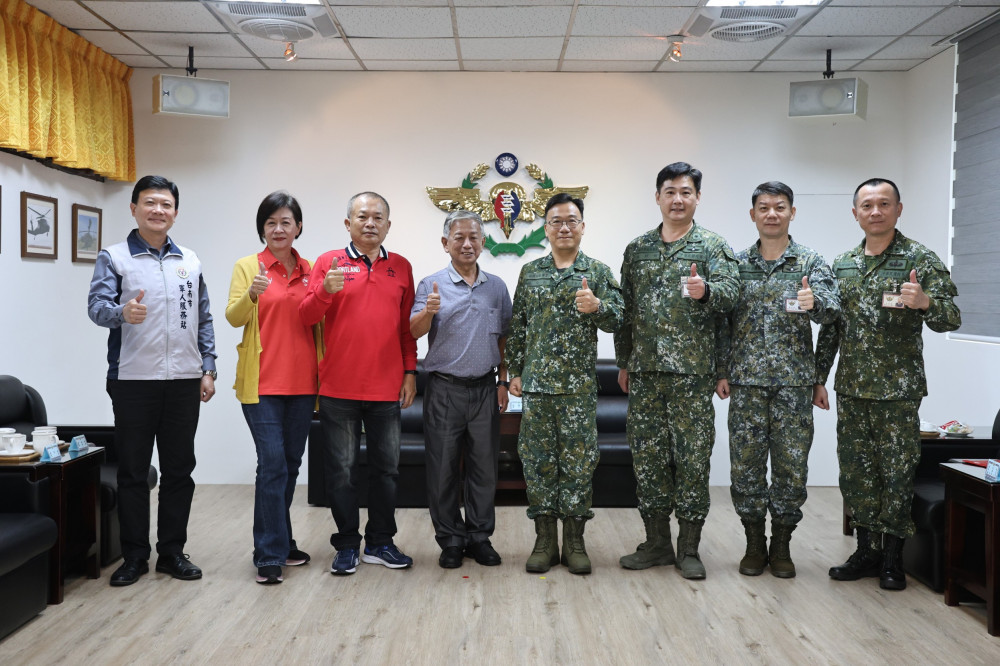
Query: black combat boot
[891, 576]
[866, 560]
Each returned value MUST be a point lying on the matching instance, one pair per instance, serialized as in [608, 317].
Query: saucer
[12, 454]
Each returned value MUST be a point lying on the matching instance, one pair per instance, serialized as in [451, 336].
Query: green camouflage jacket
[759, 343]
[552, 346]
[881, 349]
[663, 331]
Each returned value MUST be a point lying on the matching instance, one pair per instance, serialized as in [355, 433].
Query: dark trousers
[167, 412]
[342, 421]
[461, 422]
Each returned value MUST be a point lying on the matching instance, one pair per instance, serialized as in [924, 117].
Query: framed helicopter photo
[86, 233]
[39, 226]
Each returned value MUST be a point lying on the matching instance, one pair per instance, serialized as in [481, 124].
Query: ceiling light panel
[528, 48]
[629, 21]
[162, 16]
[858, 21]
[405, 49]
[409, 22]
[519, 21]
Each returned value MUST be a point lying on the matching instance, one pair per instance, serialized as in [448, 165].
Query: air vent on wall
[748, 24]
[278, 22]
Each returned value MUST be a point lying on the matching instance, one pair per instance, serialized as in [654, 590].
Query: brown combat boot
[656, 550]
[574, 551]
[688, 560]
[755, 559]
[545, 555]
[779, 554]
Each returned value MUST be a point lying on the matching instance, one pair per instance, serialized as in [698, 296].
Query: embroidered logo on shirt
[390, 272]
[182, 272]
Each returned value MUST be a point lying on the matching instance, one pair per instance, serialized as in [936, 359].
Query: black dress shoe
[129, 572]
[482, 552]
[451, 557]
[179, 566]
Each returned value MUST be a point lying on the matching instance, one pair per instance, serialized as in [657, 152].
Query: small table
[511, 474]
[76, 477]
[966, 488]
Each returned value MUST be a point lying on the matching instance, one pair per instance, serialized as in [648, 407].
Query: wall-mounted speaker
[830, 97]
[189, 96]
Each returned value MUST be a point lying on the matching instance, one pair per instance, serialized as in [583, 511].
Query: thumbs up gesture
[260, 282]
[334, 280]
[913, 295]
[586, 302]
[134, 312]
[433, 300]
[695, 284]
[805, 295]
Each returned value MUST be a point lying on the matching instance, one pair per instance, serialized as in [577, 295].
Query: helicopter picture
[86, 233]
[39, 226]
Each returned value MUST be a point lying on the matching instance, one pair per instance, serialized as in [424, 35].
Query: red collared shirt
[288, 349]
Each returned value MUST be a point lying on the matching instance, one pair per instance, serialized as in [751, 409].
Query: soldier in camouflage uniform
[890, 286]
[765, 360]
[675, 279]
[560, 302]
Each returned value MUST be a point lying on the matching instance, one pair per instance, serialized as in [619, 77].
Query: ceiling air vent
[748, 24]
[278, 22]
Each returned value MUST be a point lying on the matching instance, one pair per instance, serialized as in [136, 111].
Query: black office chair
[21, 407]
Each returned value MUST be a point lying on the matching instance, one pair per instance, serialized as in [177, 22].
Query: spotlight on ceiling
[290, 53]
[675, 54]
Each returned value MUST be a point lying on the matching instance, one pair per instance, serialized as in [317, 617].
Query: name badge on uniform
[684, 286]
[792, 304]
[891, 299]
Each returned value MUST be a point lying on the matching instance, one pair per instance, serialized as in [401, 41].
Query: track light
[675, 54]
[290, 53]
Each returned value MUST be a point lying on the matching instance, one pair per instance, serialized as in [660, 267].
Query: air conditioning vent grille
[744, 13]
[756, 31]
[265, 10]
[278, 30]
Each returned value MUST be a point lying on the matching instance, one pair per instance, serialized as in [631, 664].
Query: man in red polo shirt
[367, 374]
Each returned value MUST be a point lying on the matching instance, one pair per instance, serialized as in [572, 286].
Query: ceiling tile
[713, 49]
[510, 65]
[405, 49]
[141, 61]
[608, 65]
[911, 47]
[387, 3]
[883, 3]
[802, 66]
[852, 21]
[163, 16]
[177, 43]
[705, 66]
[215, 63]
[395, 21]
[315, 64]
[617, 48]
[954, 19]
[69, 14]
[318, 47]
[814, 48]
[111, 42]
[509, 3]
[513, 21]
[413, 65]
[886, 65]
[630, 21]
[515, 48]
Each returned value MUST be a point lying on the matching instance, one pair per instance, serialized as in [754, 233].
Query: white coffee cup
[7, 442]
[40, 440]
[20, 442]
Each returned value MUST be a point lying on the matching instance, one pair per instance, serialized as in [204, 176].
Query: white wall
[324, 136]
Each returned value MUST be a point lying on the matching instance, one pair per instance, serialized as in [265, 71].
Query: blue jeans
[342, 421]
[279, 425]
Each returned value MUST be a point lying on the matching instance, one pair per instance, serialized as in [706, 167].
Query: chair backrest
[996, 429]
[21, 407]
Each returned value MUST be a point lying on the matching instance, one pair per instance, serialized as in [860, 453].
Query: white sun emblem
[507, 164]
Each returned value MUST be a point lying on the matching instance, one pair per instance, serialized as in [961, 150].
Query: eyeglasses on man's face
[570, 223]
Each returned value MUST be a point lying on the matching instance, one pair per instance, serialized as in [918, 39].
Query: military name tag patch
[792, 304]
[684, 286]
[891, 299]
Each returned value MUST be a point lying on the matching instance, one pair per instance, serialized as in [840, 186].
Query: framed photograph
[39, 226]
[86, 233]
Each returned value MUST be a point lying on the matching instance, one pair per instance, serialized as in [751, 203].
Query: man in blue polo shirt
[466, 311]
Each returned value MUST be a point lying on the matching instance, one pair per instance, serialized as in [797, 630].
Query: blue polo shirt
[464, 334]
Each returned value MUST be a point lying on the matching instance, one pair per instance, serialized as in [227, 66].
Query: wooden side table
[74, 503]
[966, 489]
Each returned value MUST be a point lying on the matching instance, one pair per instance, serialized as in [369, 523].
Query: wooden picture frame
[86, 233]
[39, 226]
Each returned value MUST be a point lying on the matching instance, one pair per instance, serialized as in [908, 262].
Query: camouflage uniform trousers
[878, 446]
[671, 431]
[775, 421]
[558, 448]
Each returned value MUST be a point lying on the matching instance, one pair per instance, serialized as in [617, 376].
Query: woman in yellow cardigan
[276, 376]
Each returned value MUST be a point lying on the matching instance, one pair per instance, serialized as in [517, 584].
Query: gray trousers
[461, 423]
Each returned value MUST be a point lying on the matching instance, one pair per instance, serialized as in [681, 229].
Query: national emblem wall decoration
[508, 202]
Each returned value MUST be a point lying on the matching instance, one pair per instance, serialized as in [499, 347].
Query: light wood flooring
[501, 615]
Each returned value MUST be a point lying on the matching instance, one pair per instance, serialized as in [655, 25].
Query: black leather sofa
[27, 534]
[614, 481]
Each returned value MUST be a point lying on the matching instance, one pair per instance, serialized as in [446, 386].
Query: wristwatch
[214, 374]
[410, 372]
[503, 382]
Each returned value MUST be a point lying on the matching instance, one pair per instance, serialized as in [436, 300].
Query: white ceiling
[522, 35]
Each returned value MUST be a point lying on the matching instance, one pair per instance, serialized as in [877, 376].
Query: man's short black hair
[774, 188]
[875, 182]
[563, 198]
[156, 183]
[676, 170]
[274, 202]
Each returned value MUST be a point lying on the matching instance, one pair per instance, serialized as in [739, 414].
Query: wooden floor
[501, 615]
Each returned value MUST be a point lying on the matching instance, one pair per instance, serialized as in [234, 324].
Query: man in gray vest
[467, 312]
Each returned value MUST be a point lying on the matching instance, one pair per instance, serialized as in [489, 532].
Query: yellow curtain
[61, 97]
